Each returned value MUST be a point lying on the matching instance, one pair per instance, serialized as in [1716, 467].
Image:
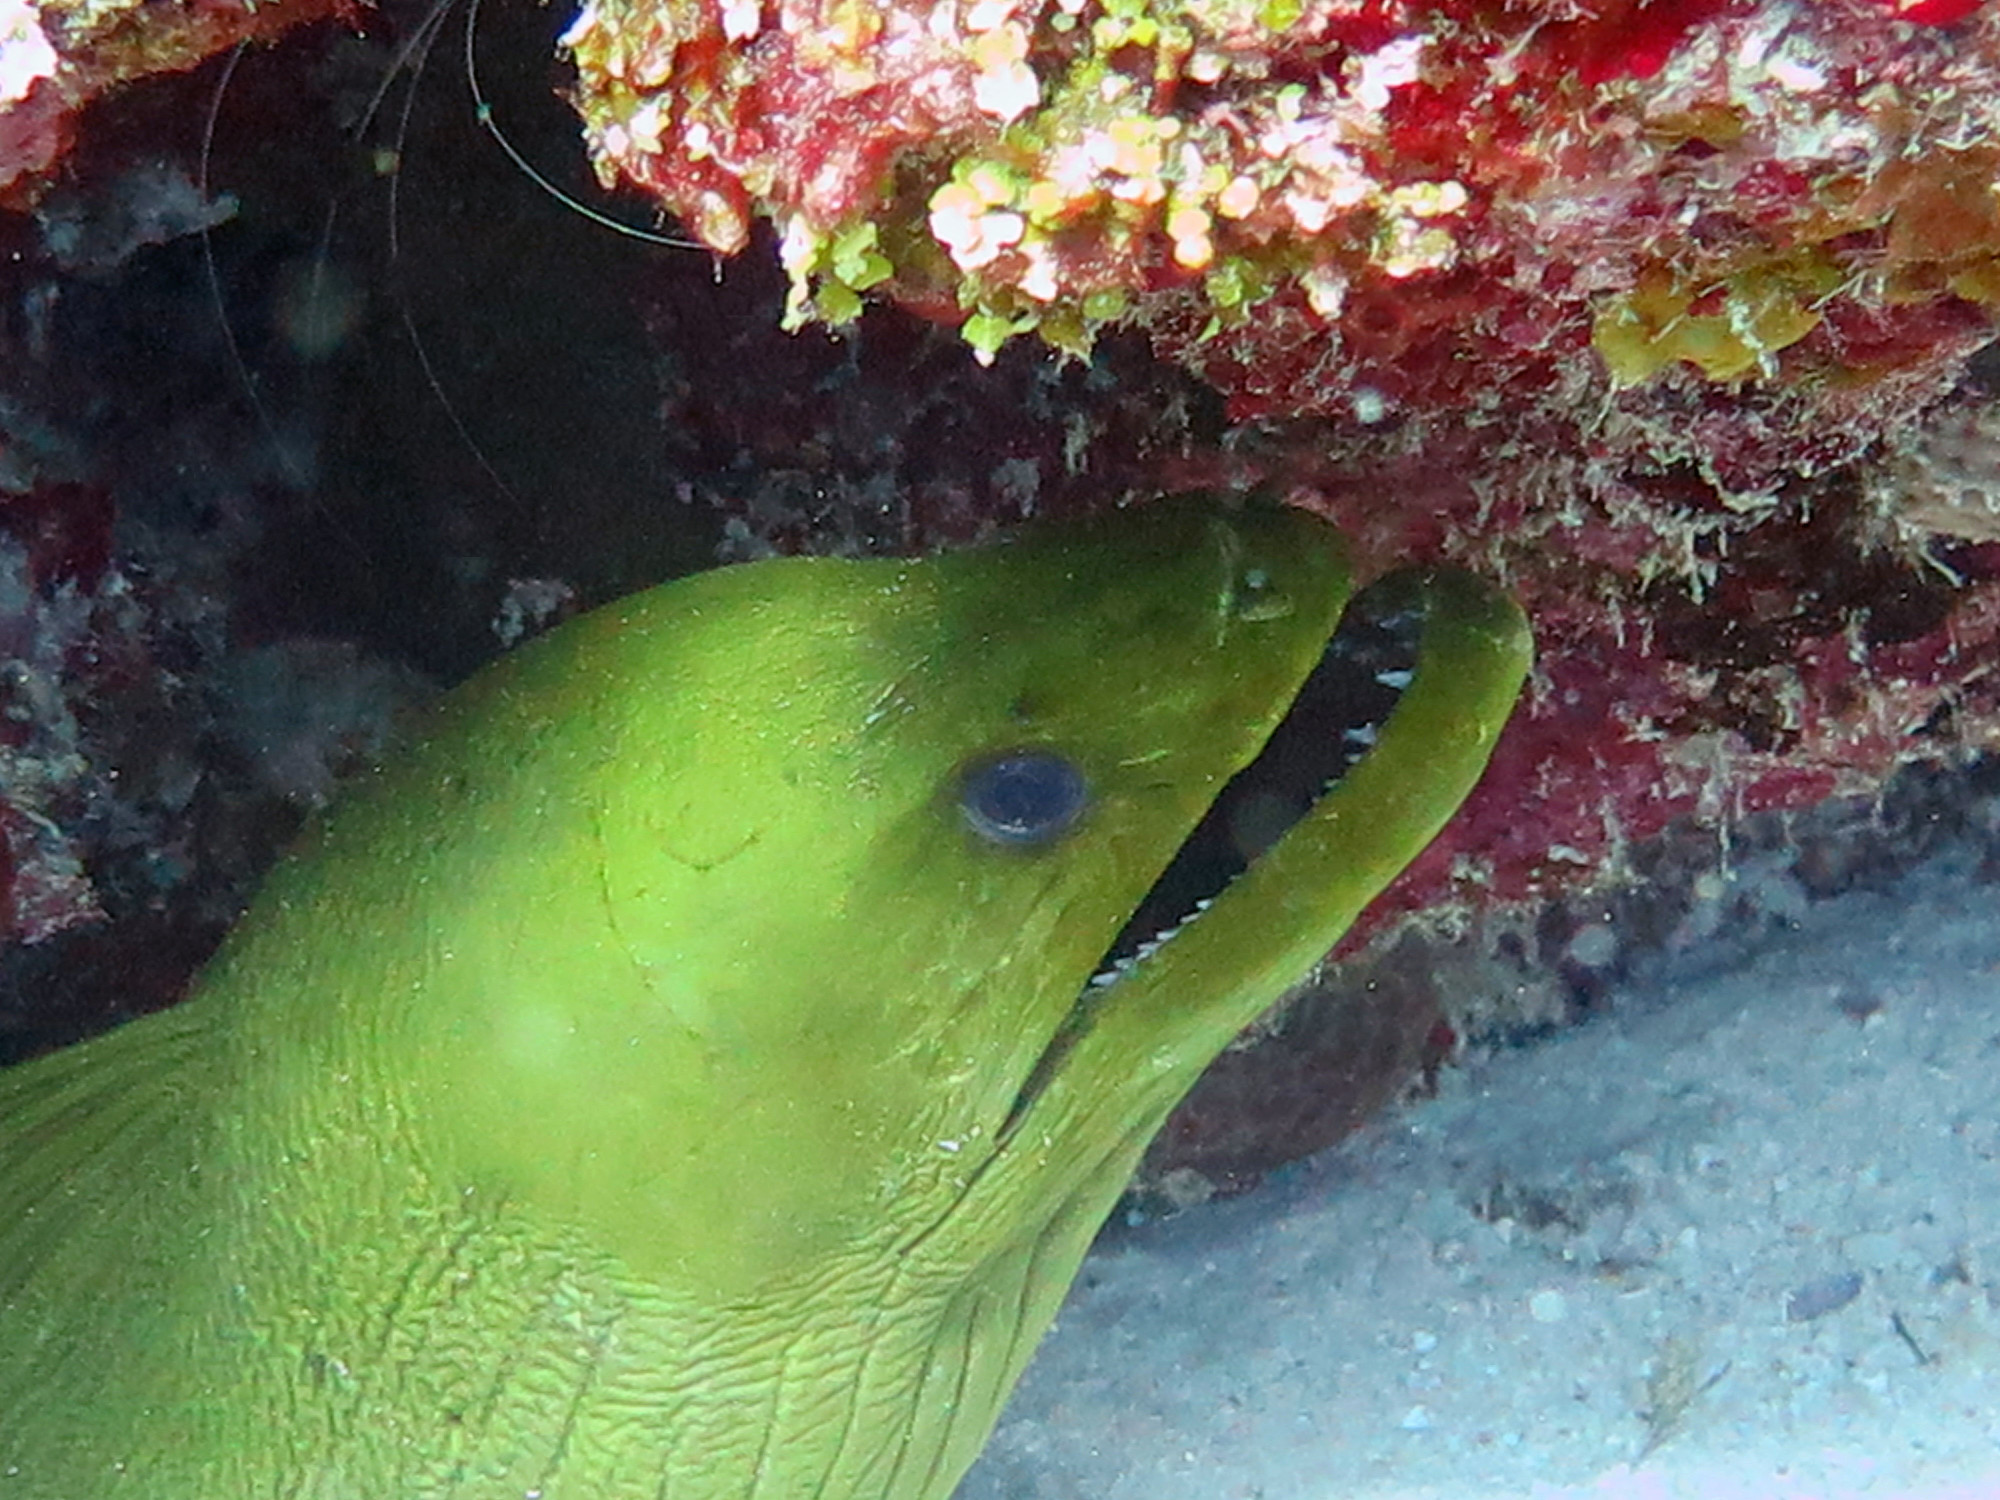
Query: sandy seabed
[1739, 1238]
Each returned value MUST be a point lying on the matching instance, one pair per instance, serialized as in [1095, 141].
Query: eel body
[679, 1076]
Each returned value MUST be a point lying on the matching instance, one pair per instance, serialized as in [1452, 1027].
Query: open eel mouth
[1332, 723]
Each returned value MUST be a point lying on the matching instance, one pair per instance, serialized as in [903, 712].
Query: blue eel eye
[1022, 797]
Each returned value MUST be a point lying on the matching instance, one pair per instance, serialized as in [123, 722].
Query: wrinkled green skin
[633, 1092]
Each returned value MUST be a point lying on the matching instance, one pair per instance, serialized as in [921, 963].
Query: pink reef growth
[1372, 208]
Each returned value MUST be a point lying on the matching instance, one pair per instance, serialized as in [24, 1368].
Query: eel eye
[1022, 797]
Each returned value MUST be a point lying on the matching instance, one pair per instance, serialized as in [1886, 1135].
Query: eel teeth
[1111, 973]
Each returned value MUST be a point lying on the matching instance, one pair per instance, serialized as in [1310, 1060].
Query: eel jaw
[1333, 721]
[1383, 743]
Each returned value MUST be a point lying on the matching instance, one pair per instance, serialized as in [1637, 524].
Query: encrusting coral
[1329, 204]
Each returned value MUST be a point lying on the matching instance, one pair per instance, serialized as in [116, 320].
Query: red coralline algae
[1674, 723]
[1934, 12]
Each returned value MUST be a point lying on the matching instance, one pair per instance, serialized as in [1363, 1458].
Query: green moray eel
[678, 1075]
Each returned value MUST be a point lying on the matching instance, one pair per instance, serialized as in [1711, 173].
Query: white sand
[1712, 1167]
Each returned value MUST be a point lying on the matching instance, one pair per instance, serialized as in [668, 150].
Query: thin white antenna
[292, 472]
[427, 34]
[483, 111]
